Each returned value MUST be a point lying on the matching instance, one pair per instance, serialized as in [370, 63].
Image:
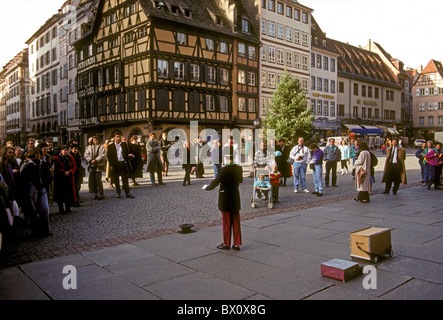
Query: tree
[288, 112]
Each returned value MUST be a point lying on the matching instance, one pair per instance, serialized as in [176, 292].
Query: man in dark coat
[282, 160]
[154, 161]
[118, 157]
[230, 176]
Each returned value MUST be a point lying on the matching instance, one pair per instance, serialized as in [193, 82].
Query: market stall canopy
[364, 130]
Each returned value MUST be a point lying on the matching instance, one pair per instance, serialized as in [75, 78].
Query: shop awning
[372, 131]
[352, 126]
[393, 131]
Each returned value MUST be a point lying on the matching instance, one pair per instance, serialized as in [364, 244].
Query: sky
[407, 29]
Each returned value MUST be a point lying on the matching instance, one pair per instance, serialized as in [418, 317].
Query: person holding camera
[95, 156]
[300, 155]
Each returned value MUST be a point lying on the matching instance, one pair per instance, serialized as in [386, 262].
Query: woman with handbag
[95, 156]
[362, 173]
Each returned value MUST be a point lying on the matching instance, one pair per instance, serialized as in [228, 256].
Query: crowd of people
[33, 177]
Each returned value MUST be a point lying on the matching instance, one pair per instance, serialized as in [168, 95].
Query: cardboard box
[340, 269]
[371, 243]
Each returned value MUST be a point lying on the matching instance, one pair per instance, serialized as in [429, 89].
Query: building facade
[323, 90]
[368, 96]
[398, 71]
[14, 108]
[2, 109]
[428, 101]
[45, 75]
[156, 65]
[285, 34]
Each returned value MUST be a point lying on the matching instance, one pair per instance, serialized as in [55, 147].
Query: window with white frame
[263, 26]
[263, 52]
[181, 38]
[289, 34]
[325, 107]
[251, 79]
[212, 75]
[332, 109]
[332, 86]
[305, 39]
[332, 65]
[224, 76]
[320, 84]
[210, 44]
[325, 85]
[313, 106]
[305, 62]
[241, 104]
[319, 106]
[179, 70]
[162, 69]
[210, 103]
[223, 47]
[280, 31]
[280, 57]
[297, 36]
[289, 58]
[325, 63]
[251, 103]
[252, 53]
[241, 76]
[271, 54]
[117, 74]
[312, 83]
[263, 79]
[245, 25]
[271, 29]
[271, 80]
[297, 60]
[195, 72]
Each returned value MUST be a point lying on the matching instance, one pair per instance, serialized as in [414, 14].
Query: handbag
[361, 176]
[290, 160]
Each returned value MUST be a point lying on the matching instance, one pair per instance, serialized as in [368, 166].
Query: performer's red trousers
[231, 221]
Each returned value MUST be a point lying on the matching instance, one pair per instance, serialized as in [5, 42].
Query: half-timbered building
[146, 65]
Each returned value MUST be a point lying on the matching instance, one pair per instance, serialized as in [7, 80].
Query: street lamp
[256, 122]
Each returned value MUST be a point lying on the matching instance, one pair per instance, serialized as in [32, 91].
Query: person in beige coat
[363, 183]
[395, 171]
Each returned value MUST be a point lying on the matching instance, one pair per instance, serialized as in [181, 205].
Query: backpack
[374, 160]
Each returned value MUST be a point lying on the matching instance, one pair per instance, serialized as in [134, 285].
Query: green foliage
[288, 112]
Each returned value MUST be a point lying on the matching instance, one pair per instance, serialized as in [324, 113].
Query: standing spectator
[217, 156]
[6, 171]
[118, 157]
[64, 180]
[345, 155]
[30, 144]
[420, 156]
[95, 156]
[374, 162]
[108, 173]
[164, 148]
[18, 153]
[79, 172]
[34, 203]
[48, 163]
[282, 161]
[363, 183]
[262, 157]
[187, 165]
[395, 171]
[301, 156]
[354, 155]
[229, 203]
[434, 160]
[427, 169]
[142, 144]
[383, 148]
[154, 161]
[136, 160]
[332, 156]
[317, 166]
[200, 168]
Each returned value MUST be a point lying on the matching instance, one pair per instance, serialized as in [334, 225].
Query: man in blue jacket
[331, 156]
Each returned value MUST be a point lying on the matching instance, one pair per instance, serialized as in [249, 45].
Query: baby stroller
[257, 173]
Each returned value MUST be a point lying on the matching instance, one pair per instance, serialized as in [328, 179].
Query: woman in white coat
[362, 184]
[345, 155]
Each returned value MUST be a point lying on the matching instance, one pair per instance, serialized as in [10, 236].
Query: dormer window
[245, 25]
[188, 13]
[159, 5]
[174, 9]
[218, 20]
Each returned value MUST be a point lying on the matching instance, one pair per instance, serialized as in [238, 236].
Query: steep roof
[433, 66]
[317, 33]
[358, 62]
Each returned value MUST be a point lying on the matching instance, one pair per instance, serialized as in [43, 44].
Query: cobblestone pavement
[159, 210]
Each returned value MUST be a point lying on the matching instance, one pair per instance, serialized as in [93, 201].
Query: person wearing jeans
[332, 156]
[301, 156]
[317, 172]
